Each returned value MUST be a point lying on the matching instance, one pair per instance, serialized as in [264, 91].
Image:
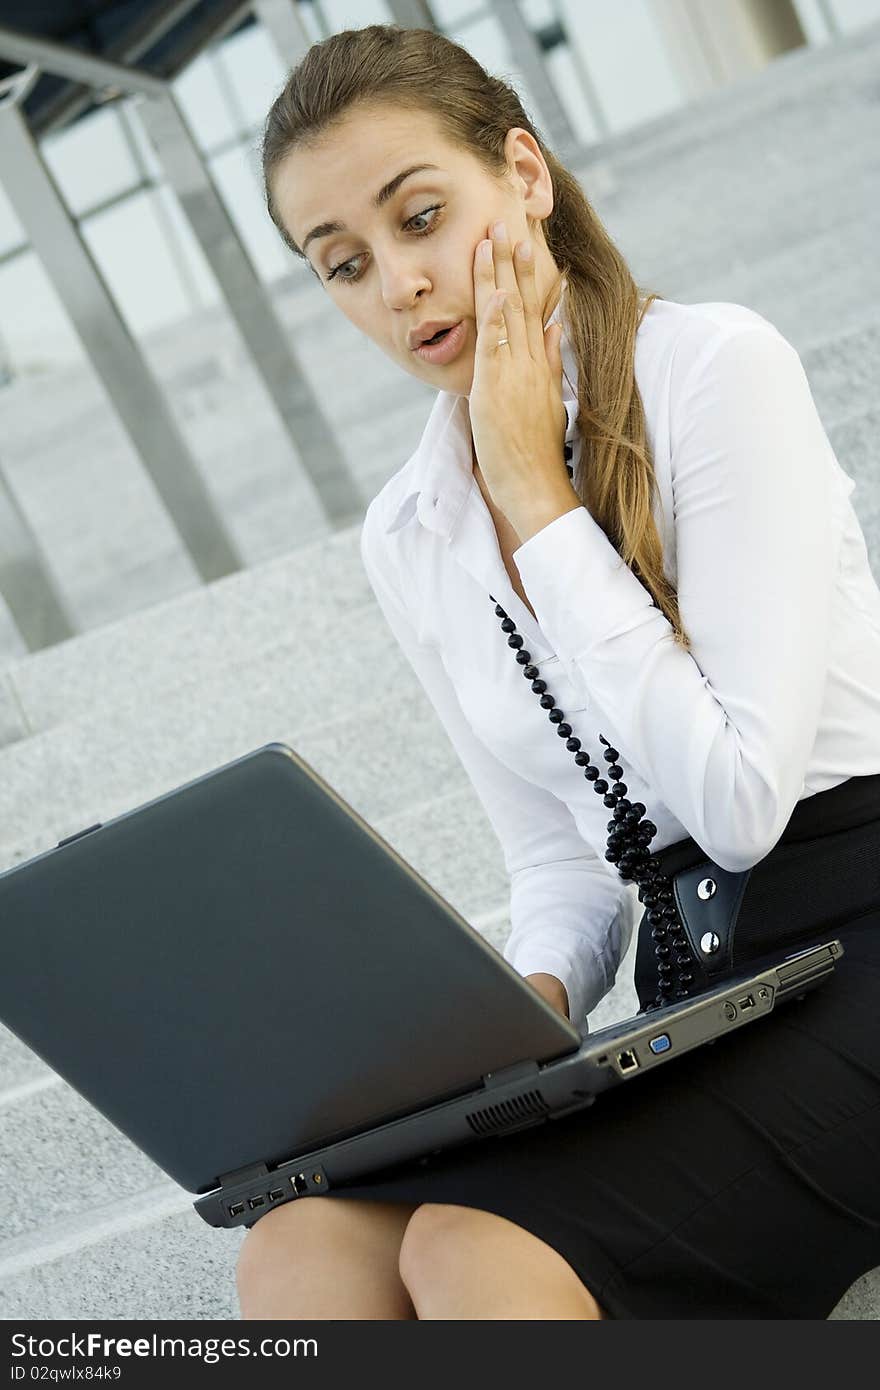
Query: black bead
[628, 833]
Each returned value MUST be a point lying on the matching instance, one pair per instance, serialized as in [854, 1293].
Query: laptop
[256, 989]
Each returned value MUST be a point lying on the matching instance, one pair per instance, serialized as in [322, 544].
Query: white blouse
[778, 699]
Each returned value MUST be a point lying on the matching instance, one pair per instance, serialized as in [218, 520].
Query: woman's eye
[423, 231]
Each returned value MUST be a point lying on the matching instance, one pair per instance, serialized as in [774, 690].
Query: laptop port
[300, 1183]
[747, 1003]
[276, 1194]
[627, 1061]
[256, 1202]
[236, 1209]
[661, 1043]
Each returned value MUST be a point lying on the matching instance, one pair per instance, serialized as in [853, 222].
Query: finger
[524, 264]
[490, 328]
[505, 279]
[484, 282]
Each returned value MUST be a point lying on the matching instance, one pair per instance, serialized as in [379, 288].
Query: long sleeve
[724, 732]
[569, 916]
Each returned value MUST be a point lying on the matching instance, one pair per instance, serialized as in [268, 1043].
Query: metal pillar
[412, 14]
[131, 387]
[283, 22]
[714, 42]
[249, 303]
[26, 581]
[253, 311]
[526, 53]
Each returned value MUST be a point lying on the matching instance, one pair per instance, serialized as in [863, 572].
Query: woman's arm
[552, 990]
[723, 734]
[570, 916]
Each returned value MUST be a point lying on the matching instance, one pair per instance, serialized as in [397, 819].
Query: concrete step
[149, 1256]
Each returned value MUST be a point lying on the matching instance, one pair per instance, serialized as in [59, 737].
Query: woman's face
[410, 261]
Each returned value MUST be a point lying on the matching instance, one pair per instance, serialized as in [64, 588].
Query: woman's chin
[457, 377]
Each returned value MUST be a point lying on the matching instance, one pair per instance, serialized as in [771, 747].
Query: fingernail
[486, 250]
[500, 231]
[525, 251]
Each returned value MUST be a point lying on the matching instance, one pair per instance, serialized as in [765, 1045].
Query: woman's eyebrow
[387, 191]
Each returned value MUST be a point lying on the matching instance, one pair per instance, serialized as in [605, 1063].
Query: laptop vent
[493, 1118]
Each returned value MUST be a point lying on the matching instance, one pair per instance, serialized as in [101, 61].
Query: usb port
[256, 1202]
[236, 1209]
[627, 1061]
[747, 1003]
[276, 1193]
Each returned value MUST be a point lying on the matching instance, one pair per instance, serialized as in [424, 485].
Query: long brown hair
[417, 68]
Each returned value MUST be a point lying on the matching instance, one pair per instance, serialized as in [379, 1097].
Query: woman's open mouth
[444, 345]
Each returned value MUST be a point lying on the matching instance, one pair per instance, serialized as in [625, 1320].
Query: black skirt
[738, 1181]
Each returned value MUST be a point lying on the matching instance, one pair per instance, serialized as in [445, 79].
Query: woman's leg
[319, 1257]
[465, 1263]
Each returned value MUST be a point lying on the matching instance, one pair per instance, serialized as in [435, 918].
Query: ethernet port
[627, 1061]
[300, 1183]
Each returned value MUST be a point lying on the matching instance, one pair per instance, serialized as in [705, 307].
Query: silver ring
[502, 341]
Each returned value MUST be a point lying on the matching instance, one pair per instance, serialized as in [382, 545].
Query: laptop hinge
[252, 1170]
[520, 1071]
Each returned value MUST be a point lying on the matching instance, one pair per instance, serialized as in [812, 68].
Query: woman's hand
[516, 410]
[552, 990]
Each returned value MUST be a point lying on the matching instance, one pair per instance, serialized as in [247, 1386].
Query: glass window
[236, 175]
[850, 15]
[355, 14]
[623, 52]
[205, 104]
[90, 161]
[254, 70]
[449, 13]
[37, 333]
[538, 13]
[128, 242]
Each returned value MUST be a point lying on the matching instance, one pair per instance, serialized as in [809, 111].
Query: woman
[729, 642]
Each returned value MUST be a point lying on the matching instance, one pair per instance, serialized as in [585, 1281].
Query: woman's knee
[453, 1254]
[432, 1244]
[310, 1232]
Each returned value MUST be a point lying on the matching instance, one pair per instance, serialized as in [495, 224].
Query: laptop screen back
[243, 969]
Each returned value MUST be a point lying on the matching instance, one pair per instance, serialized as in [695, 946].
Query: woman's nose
[401, 287]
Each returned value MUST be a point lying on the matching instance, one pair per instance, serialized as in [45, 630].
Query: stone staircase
[764, 195]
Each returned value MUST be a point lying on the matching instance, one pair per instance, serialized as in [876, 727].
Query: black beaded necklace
[628, 836]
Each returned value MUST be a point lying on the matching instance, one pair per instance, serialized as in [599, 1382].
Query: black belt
[824, 871]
